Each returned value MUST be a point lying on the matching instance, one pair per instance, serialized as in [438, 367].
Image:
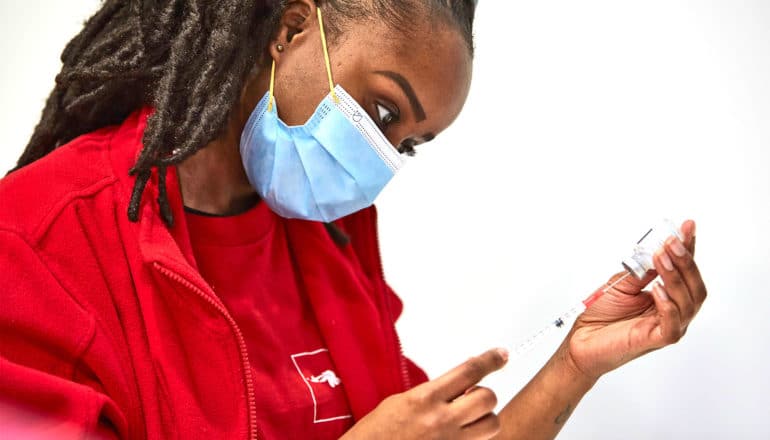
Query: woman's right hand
[451, 406]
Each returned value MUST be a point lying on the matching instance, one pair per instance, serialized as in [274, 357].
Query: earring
[279, 47]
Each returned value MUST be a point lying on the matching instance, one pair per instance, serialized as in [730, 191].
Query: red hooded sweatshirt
[107, 330]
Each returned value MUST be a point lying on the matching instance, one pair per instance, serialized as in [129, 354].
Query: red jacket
[107, 328]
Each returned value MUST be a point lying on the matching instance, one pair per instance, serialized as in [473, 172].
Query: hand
[451, 406]
[627, 322]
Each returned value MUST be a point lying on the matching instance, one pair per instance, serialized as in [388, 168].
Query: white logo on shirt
[327, 376]
[315, 370]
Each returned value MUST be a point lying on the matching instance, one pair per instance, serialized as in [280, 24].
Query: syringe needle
[588, 302]
[616, 282]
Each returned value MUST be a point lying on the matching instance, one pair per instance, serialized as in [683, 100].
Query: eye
[385, 116]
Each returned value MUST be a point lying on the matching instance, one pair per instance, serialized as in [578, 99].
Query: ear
[297, 18]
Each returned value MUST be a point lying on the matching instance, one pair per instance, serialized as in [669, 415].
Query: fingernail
[660, 292]
[665, 260]
[503, 354]
[677, 247]
[693, 228]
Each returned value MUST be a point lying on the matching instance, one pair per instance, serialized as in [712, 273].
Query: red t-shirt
[246, 260]
[107, 326]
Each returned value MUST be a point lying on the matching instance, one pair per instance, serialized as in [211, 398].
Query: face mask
[332, 166]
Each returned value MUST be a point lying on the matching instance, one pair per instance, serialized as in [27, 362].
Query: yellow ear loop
[326, 60]
[326, 57]
[272, 86]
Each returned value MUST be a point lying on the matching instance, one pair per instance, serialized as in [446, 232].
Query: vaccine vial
[641, 261]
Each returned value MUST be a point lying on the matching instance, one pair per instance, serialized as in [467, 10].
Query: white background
[587, 122]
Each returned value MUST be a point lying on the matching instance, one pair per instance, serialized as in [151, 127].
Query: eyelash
[406, 147]
[391, 116]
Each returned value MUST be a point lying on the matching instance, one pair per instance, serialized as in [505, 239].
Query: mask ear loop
[272, 86]
[326, 60]
[326, 57]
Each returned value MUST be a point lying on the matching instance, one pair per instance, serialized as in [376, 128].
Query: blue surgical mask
[332, 166]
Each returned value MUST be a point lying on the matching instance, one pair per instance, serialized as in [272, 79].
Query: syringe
[637, 265]
[563, 319]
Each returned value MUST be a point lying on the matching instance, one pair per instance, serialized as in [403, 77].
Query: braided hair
[189, 60]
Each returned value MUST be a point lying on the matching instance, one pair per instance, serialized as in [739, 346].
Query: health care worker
[189, 248]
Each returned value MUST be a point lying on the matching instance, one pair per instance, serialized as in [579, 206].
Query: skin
[213, 180]
[624, 324]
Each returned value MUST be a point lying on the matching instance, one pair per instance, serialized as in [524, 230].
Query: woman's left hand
[626, 322]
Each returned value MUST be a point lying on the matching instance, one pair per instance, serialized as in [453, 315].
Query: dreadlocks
[189, 60]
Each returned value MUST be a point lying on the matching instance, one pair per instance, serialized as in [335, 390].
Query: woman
[189, 249]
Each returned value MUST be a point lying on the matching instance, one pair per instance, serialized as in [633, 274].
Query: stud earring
[279, 47]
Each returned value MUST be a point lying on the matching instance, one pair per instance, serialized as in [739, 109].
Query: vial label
[641, 260]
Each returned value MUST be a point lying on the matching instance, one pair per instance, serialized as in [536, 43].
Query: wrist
[564, 365]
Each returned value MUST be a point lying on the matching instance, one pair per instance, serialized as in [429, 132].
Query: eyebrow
[408, 91]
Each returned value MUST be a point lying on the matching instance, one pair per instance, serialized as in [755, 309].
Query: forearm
[542, 407]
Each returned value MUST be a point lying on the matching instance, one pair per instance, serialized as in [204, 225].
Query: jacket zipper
[406, 381]
[245, 365]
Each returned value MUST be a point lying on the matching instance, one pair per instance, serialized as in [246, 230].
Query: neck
[213, 179]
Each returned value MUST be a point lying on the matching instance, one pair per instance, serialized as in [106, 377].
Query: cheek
[296, 109]
[397, 134]
[300, 85]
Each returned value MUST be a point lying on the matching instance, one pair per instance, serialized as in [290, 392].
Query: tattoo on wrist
[561, 418]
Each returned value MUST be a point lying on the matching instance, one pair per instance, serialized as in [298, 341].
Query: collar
[157, 242]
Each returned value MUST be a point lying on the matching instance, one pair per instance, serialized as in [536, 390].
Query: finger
[473, 405]
[688, 235]
[470, 390]
[484, 428]
[688, 270]
[675, 285]
[468, 374]
[670, 327]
